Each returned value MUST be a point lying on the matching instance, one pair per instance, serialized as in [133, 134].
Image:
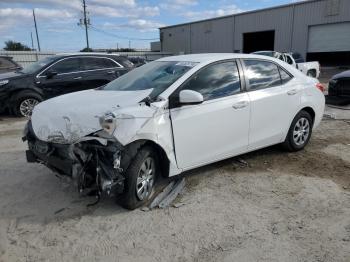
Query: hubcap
[301, 131]
[145, 179]
[27, 106]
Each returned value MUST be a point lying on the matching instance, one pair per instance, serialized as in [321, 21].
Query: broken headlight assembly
[108, 122]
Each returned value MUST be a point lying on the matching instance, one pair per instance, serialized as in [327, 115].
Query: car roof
[201, 58]
[86, 54]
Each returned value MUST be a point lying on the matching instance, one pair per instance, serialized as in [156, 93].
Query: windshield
[157, 75]
[34, 67]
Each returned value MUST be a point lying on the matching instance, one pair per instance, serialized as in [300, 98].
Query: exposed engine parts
[95, 166]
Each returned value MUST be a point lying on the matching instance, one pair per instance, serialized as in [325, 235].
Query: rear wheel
[140, 179]
[299, 132]
[24, 103]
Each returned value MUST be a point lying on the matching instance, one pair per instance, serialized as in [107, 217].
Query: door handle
[241, 104]
[292, 92]
[77, 78]
[111, 72]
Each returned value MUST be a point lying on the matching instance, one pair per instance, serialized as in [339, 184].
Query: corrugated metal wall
[214, 35]
[291, 24]
[280, 20]
[316, 13]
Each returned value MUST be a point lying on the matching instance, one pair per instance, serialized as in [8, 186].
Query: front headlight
[3, 82]
[108, 122]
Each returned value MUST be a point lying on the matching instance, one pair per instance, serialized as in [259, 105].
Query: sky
[113, 22]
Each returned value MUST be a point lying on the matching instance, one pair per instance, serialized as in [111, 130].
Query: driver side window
[216, 81]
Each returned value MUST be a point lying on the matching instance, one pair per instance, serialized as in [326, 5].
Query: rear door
[99, 71]
[68, 77]
[217, 128]
[275, 98]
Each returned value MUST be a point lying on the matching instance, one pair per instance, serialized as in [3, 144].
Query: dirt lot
[280, 207]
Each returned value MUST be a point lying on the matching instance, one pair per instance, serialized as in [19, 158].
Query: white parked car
[312, 69]
[172, 115]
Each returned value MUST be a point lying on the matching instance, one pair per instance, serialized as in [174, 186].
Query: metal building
[317, 29]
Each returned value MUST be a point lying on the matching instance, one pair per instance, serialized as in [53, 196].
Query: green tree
[15, 46]
[86, 50]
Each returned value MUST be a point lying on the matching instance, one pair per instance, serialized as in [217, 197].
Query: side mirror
[190, 97]
[50, 74]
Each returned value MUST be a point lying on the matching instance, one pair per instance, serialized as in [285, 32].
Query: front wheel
[299, 132]
[24, 103]
[140, 179]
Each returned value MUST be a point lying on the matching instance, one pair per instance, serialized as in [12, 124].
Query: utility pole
[31, 37]
[86, 22]
[129, 44]
[36, 30]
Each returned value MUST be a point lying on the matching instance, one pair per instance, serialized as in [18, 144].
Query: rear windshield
[125, 62]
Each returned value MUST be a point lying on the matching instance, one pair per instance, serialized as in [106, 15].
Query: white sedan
[172, 115]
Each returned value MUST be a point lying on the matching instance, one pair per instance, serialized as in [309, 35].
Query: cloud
[57, 12]
[204, 14]
[141, 25]
[115, 12]
[12, 17]
[177, 4]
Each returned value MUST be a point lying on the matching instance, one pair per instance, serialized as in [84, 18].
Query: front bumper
[89, 164]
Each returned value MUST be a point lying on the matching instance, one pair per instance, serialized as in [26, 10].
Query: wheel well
[18, 92]
[162, 156]
[310, 111]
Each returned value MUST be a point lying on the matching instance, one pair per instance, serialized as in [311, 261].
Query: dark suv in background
[52, 76]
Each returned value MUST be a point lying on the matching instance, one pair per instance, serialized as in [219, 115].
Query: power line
[122, 37]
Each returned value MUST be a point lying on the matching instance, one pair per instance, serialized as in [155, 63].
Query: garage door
[329, 38]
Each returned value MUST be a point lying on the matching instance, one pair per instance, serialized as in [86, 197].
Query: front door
[68, 77]
[217, 128]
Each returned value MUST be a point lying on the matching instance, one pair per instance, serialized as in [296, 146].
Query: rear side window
[124, 62]
[261, 74]
[68, 65]
[216, 81]
[94, 63]
[285, 77]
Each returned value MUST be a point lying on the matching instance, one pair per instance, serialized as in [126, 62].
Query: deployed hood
[68, 118]
[345, 74]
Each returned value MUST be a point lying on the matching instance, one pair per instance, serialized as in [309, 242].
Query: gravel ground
[268, 205]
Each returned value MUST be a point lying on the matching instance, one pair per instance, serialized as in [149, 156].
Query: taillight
[320, 87]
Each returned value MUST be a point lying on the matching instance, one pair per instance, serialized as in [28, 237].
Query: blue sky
[113, 21]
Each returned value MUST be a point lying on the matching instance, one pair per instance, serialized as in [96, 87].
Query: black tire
[18, 99]
[129, 198]
[290, 144]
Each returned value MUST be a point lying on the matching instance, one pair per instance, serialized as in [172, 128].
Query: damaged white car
[169, 116]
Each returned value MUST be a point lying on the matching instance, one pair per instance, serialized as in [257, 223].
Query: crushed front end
[94, 163]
